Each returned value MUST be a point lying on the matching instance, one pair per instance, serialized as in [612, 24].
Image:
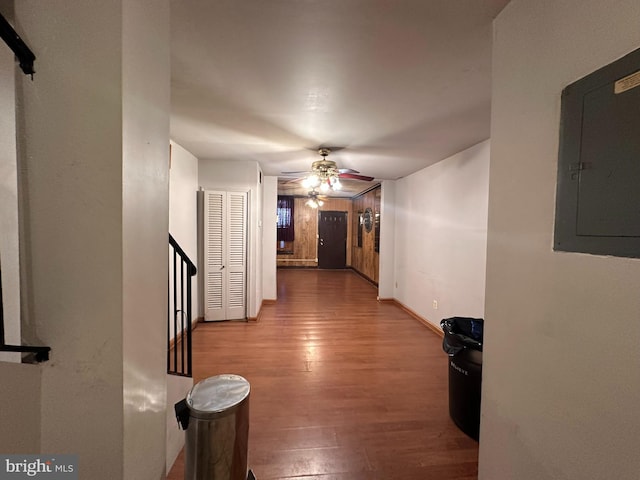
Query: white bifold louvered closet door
[225, 255]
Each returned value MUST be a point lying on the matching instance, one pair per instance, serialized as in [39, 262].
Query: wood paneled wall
[365, 259]
[305, 247]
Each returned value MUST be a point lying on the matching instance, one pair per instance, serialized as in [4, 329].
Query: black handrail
[178, 364]
[15, 43]
[41, 353]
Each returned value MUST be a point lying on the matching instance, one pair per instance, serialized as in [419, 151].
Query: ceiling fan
[325, 174]
[315, 199]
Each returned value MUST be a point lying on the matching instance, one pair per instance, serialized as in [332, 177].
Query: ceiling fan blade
[294, 180]
[356, 177]
[347, 170]
[300, 172]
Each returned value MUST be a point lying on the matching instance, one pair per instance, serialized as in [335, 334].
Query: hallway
[343, 387]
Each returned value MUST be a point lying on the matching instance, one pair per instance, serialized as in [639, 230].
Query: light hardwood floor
[343, 387]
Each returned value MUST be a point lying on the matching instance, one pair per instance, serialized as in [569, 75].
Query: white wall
[255, 222]
[241, 176]
[183, 188]
[561, 387]
[9, 251]
[20, 412]
[269, 238]
[235, 175]
[71, 149]
[177, 389]
[441, 232]
[145, 222]
[20, 395]
[95, 152]
[386, 266]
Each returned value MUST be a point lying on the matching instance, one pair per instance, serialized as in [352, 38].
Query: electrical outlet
[435, 304]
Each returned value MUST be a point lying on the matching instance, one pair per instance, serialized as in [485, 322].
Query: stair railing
[30, 353]
[181, 271]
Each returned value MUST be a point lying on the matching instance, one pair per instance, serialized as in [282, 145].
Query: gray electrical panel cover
[598, 192]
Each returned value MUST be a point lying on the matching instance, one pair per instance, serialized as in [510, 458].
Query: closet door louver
[225, 219]
[236, 255]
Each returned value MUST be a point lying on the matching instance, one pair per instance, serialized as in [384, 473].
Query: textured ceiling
[394, 85]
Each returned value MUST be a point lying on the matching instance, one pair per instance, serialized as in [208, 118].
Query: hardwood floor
[343, 387]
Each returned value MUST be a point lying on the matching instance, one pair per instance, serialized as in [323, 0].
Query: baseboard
[178, 337]
[413, 314]
[257, 317]
[299, 267]
[362, 275]
[265, 301]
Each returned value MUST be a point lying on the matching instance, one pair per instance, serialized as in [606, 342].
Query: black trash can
[463, 343]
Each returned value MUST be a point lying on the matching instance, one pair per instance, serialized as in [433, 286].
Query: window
[285, 219]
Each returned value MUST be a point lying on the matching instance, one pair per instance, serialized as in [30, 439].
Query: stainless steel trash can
[218, 429]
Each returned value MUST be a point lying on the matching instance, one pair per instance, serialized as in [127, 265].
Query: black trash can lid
[216, 395]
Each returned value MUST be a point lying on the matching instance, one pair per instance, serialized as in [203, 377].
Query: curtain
[285, 218]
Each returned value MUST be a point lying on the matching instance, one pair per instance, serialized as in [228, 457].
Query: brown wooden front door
[332, 241]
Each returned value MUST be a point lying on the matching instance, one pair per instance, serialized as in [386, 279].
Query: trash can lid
[217, 394]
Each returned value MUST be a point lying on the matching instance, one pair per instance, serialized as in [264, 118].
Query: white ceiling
[396, 84]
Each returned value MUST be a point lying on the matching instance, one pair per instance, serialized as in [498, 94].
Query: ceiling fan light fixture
[312, 181]
[324, 174]
[314, 203]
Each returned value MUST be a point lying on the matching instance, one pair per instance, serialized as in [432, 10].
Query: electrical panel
[598, 192]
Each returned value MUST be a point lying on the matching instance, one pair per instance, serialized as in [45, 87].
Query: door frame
[345, 215]
[225, 268]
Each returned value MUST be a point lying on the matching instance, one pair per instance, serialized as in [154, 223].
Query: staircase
[181, 272]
